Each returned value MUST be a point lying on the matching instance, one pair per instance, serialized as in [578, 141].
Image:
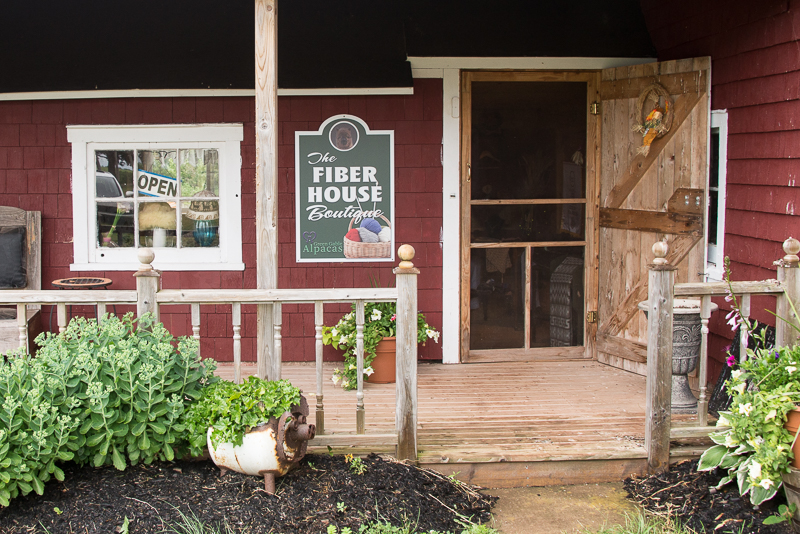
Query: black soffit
[50, 45]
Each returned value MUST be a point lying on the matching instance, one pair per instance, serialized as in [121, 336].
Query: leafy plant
[752, 445]
[357, 466]
[379, 322]
[784, 514]
[233, 409]
[107, 393]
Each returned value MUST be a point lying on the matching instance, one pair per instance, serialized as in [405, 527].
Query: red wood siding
[755, 75]
[35, 174]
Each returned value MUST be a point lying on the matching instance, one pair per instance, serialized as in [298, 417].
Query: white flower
[730, 441]
[739, 388]
[335, 379]
[791, 369]
[736, 374]
[770, 415]
[352, 366]
[376, 315]
[755, 470]
[369, 370]
[723, 420]
[766, 483]
[745, 409]
[335, 333]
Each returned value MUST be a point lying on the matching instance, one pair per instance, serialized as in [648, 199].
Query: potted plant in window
[379, 343]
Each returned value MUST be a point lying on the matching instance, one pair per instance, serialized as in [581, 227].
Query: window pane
[157, 174]
[557, 296]
[528, 140]
[497, 301]
[157, 224]
[115, 224]
[200, 223]
[113, 173]
[539, 222]
[199, 171]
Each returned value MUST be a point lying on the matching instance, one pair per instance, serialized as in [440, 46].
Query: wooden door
[528, 231]
[647, 198]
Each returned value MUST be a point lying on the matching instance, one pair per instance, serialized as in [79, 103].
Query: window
[717, 164]
[175, 189]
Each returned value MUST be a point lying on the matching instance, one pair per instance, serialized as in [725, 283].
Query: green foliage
[102, 394]
[752, 444]
[379, 322]
[382, 527]
[644, 524]
[357, 466]
[233, 409]
[784, 514]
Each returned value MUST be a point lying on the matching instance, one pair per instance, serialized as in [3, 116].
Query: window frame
[86, 139]
[715, 265]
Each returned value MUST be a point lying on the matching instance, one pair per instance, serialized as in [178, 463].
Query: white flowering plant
[379, 322]
[752, 444]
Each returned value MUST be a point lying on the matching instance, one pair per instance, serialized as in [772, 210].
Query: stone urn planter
[686, 339]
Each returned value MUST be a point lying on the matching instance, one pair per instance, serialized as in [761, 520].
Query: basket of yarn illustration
[369, 239]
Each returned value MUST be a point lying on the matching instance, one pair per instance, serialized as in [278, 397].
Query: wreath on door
[656, 102]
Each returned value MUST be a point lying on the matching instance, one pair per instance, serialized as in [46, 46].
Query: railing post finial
[791, 247]
[406, 253]
[660, 249]
[146, 257]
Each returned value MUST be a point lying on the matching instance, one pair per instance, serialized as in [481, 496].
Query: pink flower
[733, 319]
[393, 317]
[731, 361]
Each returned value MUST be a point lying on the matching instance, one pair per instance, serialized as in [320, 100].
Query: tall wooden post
[268, 365]
[789, 276]
[147, 282]
[406, 366]
[659, 360]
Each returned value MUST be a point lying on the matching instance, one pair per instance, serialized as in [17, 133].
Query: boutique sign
[344, 192]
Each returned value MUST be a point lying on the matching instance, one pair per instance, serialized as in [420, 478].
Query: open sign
[156, 185]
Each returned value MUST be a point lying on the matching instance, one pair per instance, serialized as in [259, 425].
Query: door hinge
[591, 317]
[594, 108]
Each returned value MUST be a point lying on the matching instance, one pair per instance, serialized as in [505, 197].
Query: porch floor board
[494, 412]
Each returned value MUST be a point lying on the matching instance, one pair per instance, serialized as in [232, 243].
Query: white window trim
[226, 138]
[715, 270]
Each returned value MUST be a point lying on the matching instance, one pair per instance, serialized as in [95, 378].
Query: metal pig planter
[270, 449]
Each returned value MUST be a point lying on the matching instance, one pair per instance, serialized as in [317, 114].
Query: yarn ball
[352, 235]
[385, 235]
[371, 224]
[367, 236]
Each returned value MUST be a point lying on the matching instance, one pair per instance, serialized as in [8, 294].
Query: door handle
[469, 172]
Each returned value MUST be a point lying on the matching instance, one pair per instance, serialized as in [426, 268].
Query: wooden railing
[662, 290]
[149, 297]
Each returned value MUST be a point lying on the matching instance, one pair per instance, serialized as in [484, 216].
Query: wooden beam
[675, 84]
[652, 221]
[658, 409]
[687, 200]
[406, 409]
[678, 249]
[266, 121]
[623, 348]
[641, 164]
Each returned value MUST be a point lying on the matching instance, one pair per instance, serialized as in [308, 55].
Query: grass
[645, 524]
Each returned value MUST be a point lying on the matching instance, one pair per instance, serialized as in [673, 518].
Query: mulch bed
[684, 492]
[322, 491]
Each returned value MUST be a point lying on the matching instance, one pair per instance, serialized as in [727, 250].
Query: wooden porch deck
[500, 424]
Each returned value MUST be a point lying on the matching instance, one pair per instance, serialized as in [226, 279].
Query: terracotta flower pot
[383, 365]
[792, 423]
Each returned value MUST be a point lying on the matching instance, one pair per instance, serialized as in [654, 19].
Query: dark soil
[685, 492]
[322, 491]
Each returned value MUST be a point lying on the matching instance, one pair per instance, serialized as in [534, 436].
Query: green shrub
[233, 409]
[107, 393]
